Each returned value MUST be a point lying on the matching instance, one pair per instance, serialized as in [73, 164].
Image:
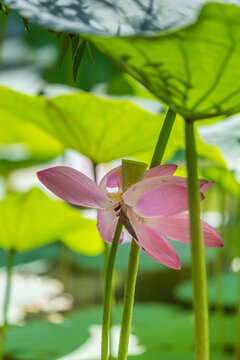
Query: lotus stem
[199, 273]
[106, 322]
[135, 249]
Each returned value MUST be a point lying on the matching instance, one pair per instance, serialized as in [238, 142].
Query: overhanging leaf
[32, 219]
[193, 68]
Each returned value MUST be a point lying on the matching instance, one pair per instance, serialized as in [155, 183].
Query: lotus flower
[150, 210]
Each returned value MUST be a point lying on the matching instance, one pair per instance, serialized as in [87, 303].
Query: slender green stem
[108, 292]
[163, 139]
[135, 249]
[6, 302]
[128, 300]
[198, 251]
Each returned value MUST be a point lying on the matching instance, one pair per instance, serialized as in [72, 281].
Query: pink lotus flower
[150, 210]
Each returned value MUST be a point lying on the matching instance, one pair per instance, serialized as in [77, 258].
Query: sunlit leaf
[224, 178]
[192, 66]
[103, 129]
[32, 219]
[85, 240]
[16, 112]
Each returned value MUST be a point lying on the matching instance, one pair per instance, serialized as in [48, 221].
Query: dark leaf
[78, 58]
[66, 39]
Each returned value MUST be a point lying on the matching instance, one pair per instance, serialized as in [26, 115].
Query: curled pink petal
[112, 179]
[177, 227]
[161, 170]
[205, 185]
[154, 244]
[164, 200]
[74, 187]
[106, 224]
[138, 190]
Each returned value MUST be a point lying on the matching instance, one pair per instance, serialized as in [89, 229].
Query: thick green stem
[135, 249]
[198, 251]
[108, 292]
[128, 300]
[6, 302]
[163, 139]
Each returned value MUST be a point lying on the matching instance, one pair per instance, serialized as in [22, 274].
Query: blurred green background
[47, 119]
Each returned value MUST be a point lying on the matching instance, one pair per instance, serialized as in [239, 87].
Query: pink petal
[161, 170]
[106, 224]
[138, 190]
[205, 185]
[112, 179]
[164, 200]
[177, 227]
[154, 244]
[74, 187]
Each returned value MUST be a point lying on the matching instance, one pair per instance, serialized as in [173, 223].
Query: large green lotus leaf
[105, 17]
[15, 112]
[229, 292]
[32, 219]
[102, 129]
[193, 68]
[85, 240]
[160, 329]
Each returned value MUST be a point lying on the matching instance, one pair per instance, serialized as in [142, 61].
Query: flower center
[115, 196]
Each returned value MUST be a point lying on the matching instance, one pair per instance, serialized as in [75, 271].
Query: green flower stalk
[135, 249]
[199, 273]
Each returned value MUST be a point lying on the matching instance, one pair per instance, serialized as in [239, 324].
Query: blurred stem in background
[237, 242]
[135, 249]
[199, 273]
[6, 302]
[218, 268]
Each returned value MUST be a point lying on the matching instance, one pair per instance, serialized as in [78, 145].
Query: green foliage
[146, 264]
[172, 337]
[32, 219]
[229, 291]
[186, 66]
[100, 128]
[224, 178]
[189, 69]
